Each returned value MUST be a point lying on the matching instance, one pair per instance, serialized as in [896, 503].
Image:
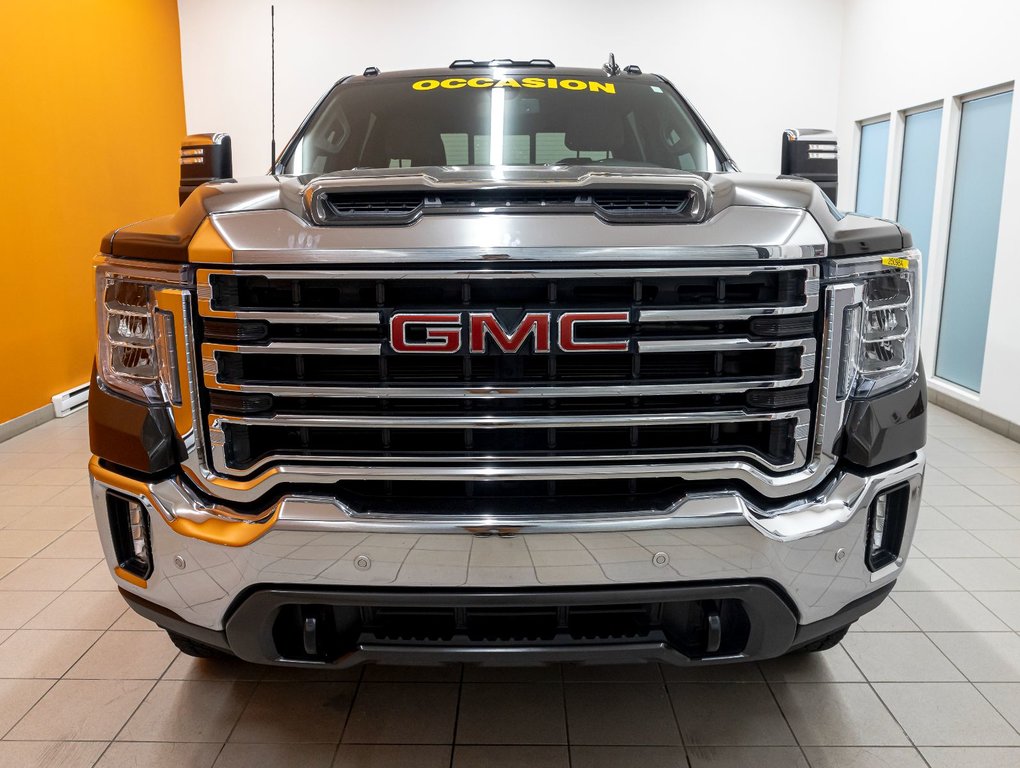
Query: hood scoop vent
[621, 205]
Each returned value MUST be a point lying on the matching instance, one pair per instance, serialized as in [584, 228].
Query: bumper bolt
[660, 559]
[180, 562]
[362, 563]
[840, 555]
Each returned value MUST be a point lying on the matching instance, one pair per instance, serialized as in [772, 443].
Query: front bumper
[211, 565]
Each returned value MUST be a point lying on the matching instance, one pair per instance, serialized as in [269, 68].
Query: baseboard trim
[26, 421]
[971, 412]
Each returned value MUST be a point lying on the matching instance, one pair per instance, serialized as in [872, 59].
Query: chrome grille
[298, 370]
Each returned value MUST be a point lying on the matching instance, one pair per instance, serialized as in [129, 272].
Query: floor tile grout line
[789, 725]
[676, 717]
[53, 682]
[966, 680]
[995, 708]
[882, 701]
[566, 718]
[242, 709]
[456, 716]
[126, 720]
[350, 711]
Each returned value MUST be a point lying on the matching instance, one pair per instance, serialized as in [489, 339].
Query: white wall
[900, 54]
[751, 69]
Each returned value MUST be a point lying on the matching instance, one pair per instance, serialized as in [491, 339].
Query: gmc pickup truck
[507, 363]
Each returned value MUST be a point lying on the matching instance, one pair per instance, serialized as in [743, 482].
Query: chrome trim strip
[508, 422]
[292, 348]
[205, 286]
[722, 345]
[212, 381]
[795, 520]
[685, 388]
[830, 508]
[721, 313]
[811, 289]
[474, 471]
[648, 347]
[218, 439]
[307, 318]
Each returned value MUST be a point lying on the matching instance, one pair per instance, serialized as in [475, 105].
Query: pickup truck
[505, 363]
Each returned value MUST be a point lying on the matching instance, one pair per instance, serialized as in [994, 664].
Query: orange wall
[92, 116]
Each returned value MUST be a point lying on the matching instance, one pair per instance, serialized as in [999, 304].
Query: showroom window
[973, 238]
[917, 176]
[871, 168]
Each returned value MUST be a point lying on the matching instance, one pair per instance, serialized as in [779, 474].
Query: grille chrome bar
[616, 390]
[651, 346]
[292, 348]
[509, 422]
[204, 287]
[722, 345]
[311, 318]
[218, 440]
[681, 314]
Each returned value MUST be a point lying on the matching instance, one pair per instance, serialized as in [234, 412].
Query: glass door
[973, 237]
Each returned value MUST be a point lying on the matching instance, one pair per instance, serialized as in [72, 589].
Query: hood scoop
[626, 200]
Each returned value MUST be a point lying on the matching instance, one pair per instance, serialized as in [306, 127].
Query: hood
[167, 237]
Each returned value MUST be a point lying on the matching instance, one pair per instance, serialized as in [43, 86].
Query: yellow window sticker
[567, 84]
[893, 261]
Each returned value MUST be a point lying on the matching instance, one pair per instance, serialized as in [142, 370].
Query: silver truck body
[293, 534]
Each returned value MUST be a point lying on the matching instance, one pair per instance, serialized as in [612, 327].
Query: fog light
[129, 526]
[886, 524]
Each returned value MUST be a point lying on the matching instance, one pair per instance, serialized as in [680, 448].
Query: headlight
[137, 350]
[880, 333]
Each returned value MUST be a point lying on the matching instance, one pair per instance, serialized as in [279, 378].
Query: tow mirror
[812, 154]
[204, 157]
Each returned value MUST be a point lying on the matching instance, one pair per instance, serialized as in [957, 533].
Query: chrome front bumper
[812, 547]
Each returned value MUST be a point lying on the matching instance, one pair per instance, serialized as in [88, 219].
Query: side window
[550, 148]
[321, 145]
[456, 146]
[686, 147]
[517, 149]
[481, 146]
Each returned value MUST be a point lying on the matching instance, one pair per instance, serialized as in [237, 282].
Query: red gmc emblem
[445, 333]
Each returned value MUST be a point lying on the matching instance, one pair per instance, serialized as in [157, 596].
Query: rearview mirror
[204, 157]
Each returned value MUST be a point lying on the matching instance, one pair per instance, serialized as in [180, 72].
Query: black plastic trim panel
[170, 621]
[774, 627]
[888, 427]
[808, 633]
[131, 434]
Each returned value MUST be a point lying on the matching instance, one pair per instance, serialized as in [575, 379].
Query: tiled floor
[931, 678]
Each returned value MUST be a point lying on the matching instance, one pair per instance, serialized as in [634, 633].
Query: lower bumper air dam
[693, 624]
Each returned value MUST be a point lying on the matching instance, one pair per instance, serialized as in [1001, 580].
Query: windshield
[503, 119]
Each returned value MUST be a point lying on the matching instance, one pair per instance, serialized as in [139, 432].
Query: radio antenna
[272, 85]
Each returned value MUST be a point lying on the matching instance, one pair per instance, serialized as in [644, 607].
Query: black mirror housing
[204, 157]
[811, 153]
